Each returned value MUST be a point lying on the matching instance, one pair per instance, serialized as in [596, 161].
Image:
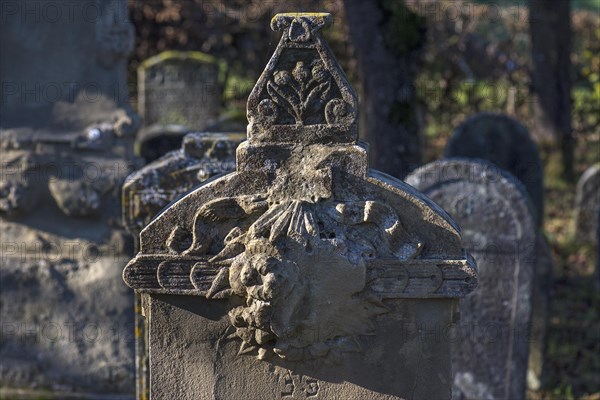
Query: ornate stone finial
[303, 94]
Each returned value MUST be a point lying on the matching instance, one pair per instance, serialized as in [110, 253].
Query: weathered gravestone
[202, 156]
[587, 205]
[147, 191]
[506, 143]
[180, 88]
[65, 148]
[302, 274]
[491, 342]
[179, 92]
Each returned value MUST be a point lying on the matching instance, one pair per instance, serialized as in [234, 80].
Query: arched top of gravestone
[311, 239]
[491, 204]
[506, 143]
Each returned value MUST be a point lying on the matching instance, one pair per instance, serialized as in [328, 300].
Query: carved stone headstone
[587, 205]
[506, 143]
[66, 136]
[302, 274]
[491, 342]
[179, 88]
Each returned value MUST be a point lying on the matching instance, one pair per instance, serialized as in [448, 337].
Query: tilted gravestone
[66, 135]
[506, 143]
[587, 204]
[491, 342]
[147, 191]
[180, 88]
[302, 274]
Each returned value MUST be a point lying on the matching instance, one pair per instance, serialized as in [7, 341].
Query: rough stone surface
[65, 148]
[179, 88]
[301, 274]
[490, 350]
[587, 205]
[201, 156]
[506, 143]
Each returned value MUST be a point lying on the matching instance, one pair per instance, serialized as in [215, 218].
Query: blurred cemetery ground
[469, 62]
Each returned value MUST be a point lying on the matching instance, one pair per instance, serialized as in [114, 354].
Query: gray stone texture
[490, 350]
[65, 147]
[303, 273]
[506, 143]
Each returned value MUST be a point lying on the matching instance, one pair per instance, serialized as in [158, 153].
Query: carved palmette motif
[314, 243]
[302, 87]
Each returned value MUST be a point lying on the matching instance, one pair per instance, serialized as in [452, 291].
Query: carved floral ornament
[302, 88]
[314, 244]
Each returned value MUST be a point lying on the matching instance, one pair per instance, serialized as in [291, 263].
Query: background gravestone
[587, 204]
[506, 143]
[148, 190]
[66, 135]
[490, 349]
[302, 274]
[180, 88]
[179, 92]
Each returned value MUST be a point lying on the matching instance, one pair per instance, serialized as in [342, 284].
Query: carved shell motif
[297, 257]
